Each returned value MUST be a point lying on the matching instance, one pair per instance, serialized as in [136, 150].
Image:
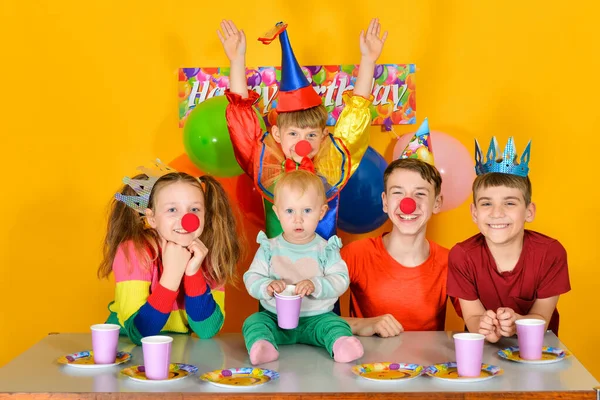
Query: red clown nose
[303, 148]
[408, 205]
[190, 222]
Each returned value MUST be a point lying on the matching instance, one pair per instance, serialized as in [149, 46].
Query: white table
[304, 370]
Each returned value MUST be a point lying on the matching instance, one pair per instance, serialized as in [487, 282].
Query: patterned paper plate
[448, 372]
[85, 359]
[176, 371]
[549, 355]
[387, 371]
[239, 377]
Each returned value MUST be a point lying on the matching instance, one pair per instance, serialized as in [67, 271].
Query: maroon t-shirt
[541, 272]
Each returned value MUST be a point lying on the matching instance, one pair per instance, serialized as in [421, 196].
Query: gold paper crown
[143, 187]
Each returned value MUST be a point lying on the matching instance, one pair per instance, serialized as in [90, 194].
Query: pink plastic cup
[105, 340]
[288, 308]
[530, 333]
[157, 356]
[469, 353]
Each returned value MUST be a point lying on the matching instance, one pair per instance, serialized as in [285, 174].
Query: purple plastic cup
[288, 308]
[530, 333]
[105, 340]
[469, 353]
[157, 356]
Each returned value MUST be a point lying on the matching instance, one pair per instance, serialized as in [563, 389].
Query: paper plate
[85, 359]
[448, 372]
[549, 355]
[176, 371]
[387, 371]
[239, 377]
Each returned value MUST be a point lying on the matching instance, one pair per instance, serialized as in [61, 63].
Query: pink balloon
[455, 163]
[223, 82]
[268, 76]
[342, 76]
[392, 75]
[203, 77]
[336, 112]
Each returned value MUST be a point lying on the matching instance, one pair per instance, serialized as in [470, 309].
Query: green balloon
[402, 74]
[206, 139]
[348, 68]
[374, 113]
[182, 109]
[319, 77]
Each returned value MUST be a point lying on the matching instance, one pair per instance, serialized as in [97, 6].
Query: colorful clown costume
[263, 159]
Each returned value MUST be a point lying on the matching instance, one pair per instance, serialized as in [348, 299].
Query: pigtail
[220, 234]
[126, 224]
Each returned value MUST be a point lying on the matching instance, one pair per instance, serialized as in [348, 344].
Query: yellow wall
[89, 91]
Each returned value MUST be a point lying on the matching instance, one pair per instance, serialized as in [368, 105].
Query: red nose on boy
[408, 205]
[303, 148]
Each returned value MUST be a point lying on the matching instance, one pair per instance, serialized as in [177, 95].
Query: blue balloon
[361, 207]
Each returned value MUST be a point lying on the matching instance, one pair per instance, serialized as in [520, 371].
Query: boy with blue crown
[299, 139]
[506, 272]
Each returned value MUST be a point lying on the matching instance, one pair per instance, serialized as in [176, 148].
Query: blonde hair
[219, 234]
[302, 180]
[314, 117]
[496, 179]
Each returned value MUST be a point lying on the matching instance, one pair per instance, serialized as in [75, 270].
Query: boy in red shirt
[506, 272]
[398, 280]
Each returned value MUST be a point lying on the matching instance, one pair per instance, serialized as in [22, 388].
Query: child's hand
[382, 326]
[199, 252]
[234, 41]
[175, 259]
[305, 288]
[276, 286]
[506, 318]
[489, 326]
[371, 44]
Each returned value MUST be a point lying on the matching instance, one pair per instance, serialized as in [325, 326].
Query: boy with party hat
[300, 139]
[506, 272]
[398, 279]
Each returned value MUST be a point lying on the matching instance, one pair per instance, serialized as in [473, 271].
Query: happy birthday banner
[393, 89]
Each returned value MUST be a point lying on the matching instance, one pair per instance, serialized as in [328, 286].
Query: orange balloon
[184, 164]
[410, 82]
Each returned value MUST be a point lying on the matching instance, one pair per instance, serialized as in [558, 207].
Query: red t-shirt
[541, 272]
[380, 285]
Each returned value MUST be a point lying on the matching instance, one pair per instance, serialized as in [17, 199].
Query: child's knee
[250, 321]
[339, 328]
[256, 320]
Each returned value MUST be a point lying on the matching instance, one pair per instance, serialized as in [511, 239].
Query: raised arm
[371, 46]
[234, 44]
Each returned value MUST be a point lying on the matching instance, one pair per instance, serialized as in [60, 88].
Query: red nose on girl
[303, 148]
[408, 205]
[190, 222]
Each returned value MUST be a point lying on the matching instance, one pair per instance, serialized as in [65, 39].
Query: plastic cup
[530, 333]
[469, 353]
[157, 356]
[105, 340]
[288, 306]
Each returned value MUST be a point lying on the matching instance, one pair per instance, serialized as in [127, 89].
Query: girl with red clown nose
[171, 244]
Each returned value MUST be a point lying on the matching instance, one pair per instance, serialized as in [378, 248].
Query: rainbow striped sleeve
[205, 308]
[139, 312]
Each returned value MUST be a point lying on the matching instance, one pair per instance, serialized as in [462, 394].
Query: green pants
[319, 330]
